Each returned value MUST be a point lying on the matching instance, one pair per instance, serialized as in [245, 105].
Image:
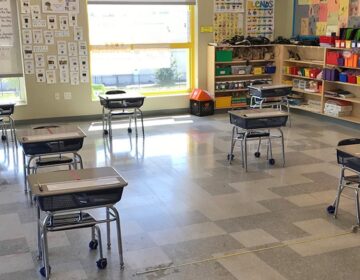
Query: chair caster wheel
[93, 244]
[230, 157]
[331, 209]
[257, 154]
[43, 272]
[3, 137]
[129, 130]
[271, 161]
[355, 229]
[106, 132]
[102, 263]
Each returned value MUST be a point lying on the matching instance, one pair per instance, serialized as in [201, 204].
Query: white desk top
[62, 132]
[258, 113]
[352, 150]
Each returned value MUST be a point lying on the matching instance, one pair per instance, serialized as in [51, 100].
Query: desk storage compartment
[6, 110]
[123, 104]
[80, 200]
[201, 108]
[276, 92]
[61, 146]
[267, 122]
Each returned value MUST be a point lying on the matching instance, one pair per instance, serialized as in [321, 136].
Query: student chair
[350, 165]
[7, 122]
[127, 107]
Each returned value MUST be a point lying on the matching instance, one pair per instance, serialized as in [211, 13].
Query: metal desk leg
[109, 117]
[46, 267]
[135, 119]
[103, 118]
[108, 228]
[233, 141]
[245, 149]
[357, 206]
[39, 233]
[282, 145]
[340, 189]
[24, 170]
[118, 229]
[142, 122]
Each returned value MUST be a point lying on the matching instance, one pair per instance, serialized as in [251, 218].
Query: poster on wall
[227, 25]
[60, 6]
[6, 24]
[229, 6]
[260, 18]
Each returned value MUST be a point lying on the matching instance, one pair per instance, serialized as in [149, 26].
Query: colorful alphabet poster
[260, 18]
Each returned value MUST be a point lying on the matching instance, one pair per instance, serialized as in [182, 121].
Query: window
[12, 89]
[143, 48]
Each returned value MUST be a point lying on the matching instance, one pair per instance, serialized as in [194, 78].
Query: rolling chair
[119, 108]
[352, 181]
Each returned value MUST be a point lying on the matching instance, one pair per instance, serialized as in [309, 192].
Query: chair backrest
[7, 110]
[342, 158]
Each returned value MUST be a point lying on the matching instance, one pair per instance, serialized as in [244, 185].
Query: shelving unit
[316, 57]
[235, 97]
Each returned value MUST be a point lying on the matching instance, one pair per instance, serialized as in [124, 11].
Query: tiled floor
[185, 207]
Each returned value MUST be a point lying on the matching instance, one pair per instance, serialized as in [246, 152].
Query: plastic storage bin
[241, 70]
[223, 55]
[201, 108]
[270, 69]
[223, 102]
[222, 71]
[343, 77]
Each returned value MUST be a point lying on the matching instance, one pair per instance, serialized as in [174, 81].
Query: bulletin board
[322, 17]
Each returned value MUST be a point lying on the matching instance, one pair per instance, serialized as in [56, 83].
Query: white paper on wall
[28, 52]
[39, 23]
[25, 21]
[64, 22]
[39, 49]
[74, 64]
[64, 76]
[29, 67]
[40, 60]
[49, 37]
[78, 34]
[74, 78]
[25, 6]
[84, 62]
[62, 48]
[27, 37]
[83, 48]
[60, 6]
[62, 33]
[51, 76]
[40, 75]
[52, 22]
[84, 76]
[35, 12]
[63, 62]
[38, 37]
[52, 62]
[6, 24]
[73, 49]
[73, 20]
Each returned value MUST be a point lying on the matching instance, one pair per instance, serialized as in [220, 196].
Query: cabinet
[232, 68]
[315, 75]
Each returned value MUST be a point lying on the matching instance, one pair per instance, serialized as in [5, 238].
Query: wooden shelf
[352, 100]
[307, 62]
[244, 61]
[242, 76]
[306, 108]
[342, 67]
[342, 83]
[306, 92]
[341, 49]
[241, 46]
[232, 90]
[233, 107]
[302, 77]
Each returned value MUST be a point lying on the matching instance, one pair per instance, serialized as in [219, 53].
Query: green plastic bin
[223, 55]
[222, 71]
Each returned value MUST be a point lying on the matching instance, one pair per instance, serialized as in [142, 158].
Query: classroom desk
[118, 105]
[6, 111]
[253, 122]
[351, 150]
[64, 195]
[50, 140]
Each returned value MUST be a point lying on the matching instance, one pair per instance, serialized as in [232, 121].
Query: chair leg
[340, 189]
[357, 207]
[142, 122]
[232, 145]
[118, 229]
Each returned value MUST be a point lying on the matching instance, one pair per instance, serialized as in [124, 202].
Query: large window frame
[190, 46]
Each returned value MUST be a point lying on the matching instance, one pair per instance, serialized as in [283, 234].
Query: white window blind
[144, 2]
[10, 51]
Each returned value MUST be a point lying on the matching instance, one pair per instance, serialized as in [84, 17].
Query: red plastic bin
[332, 57]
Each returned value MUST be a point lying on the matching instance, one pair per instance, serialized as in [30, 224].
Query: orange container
[355, 59]
[200, 95]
